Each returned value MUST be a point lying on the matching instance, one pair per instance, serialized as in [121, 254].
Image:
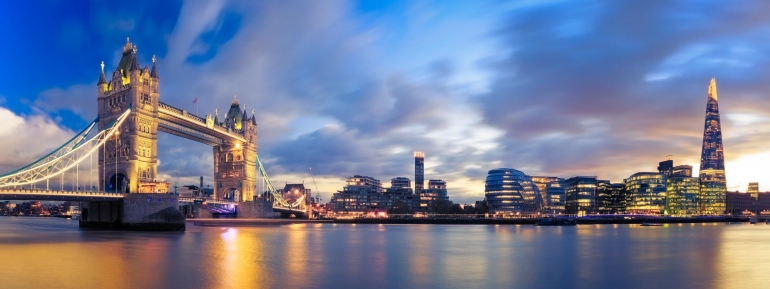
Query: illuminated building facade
[682, 194]
[753, 190]
[401, 191]
[666, 167]
[712, 163]
[362, 194]
[580, 195]
[419, 171]
[436, 191]
[511, 191]
[646, 193]
[610, 197]
[683, 170]
[554, 202]
[542, 185]
[401, 183]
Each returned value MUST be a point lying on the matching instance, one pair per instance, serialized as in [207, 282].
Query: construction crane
[317, 196]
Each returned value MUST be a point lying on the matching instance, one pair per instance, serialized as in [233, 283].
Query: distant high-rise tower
[712, 160]
[753, 190]
[419, 171]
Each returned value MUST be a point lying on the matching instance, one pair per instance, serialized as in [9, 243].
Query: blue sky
[548, 87]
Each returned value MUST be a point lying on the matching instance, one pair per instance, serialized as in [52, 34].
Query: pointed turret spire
[245, 113]
[253, 117]
[154, 72]
[134, 62]
[102, 79]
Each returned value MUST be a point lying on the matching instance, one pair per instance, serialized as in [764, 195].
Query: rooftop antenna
[668, 157]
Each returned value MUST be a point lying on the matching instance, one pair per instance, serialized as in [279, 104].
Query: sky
[556, 88]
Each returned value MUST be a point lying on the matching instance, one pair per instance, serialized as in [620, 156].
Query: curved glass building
[511, 191]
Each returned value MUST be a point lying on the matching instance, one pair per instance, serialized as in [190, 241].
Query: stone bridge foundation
[140, 212]
[256, 209]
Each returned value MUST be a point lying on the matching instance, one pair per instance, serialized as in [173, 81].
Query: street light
[117, 135]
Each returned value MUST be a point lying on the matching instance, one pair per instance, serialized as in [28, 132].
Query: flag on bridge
[195, 100]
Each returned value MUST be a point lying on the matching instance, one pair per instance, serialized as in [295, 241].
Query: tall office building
[554, 203]
[542, 185]
[683, 170]
[666, 167]
[436, 191]
[580, 195]
[419, 171]
[753, 190]
[646, 193]
[712, 160]
[402, 195]
[682, 195]
[610, 197]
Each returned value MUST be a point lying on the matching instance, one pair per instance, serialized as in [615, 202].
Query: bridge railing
[7, 191]
[66, 157]
[168, 107]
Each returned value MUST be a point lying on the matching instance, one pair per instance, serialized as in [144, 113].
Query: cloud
[79, 99]
[27, 138]
[610, 88]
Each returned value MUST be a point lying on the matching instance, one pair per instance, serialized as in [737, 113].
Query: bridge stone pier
[145, 212]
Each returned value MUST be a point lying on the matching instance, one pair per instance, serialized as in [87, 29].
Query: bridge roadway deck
[49, 195]
[186, 125]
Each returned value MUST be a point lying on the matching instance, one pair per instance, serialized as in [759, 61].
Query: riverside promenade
[462, 221]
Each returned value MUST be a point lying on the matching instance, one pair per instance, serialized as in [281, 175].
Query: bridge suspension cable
[278, 200]
[63, 158]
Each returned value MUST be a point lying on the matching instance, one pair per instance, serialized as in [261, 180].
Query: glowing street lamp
[117, 135]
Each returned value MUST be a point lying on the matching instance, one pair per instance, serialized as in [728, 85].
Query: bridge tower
[128, 162]
[235, 167]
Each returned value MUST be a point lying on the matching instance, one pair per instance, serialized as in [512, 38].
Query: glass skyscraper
[610, 197]
[580, 195]
[646, 193]
[511, 191]
[554, 202]
[542, 185]
[712, 161]
[682, 195]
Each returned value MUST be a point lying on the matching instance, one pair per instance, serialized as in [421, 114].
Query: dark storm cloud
[579, 89]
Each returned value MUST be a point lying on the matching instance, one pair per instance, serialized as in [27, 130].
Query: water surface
[54, 253]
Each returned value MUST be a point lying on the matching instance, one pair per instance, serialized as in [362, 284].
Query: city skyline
[351, 93]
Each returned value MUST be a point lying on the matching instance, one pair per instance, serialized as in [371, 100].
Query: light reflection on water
[38, 252]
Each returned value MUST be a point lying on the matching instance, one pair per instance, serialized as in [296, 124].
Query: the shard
[712, 160]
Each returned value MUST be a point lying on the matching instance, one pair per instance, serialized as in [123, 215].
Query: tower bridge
[125, 148]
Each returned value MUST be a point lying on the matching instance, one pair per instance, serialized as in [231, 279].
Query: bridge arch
[117, 183]
[231, 194]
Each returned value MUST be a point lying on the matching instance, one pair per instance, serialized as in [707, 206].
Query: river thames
[54, 253]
